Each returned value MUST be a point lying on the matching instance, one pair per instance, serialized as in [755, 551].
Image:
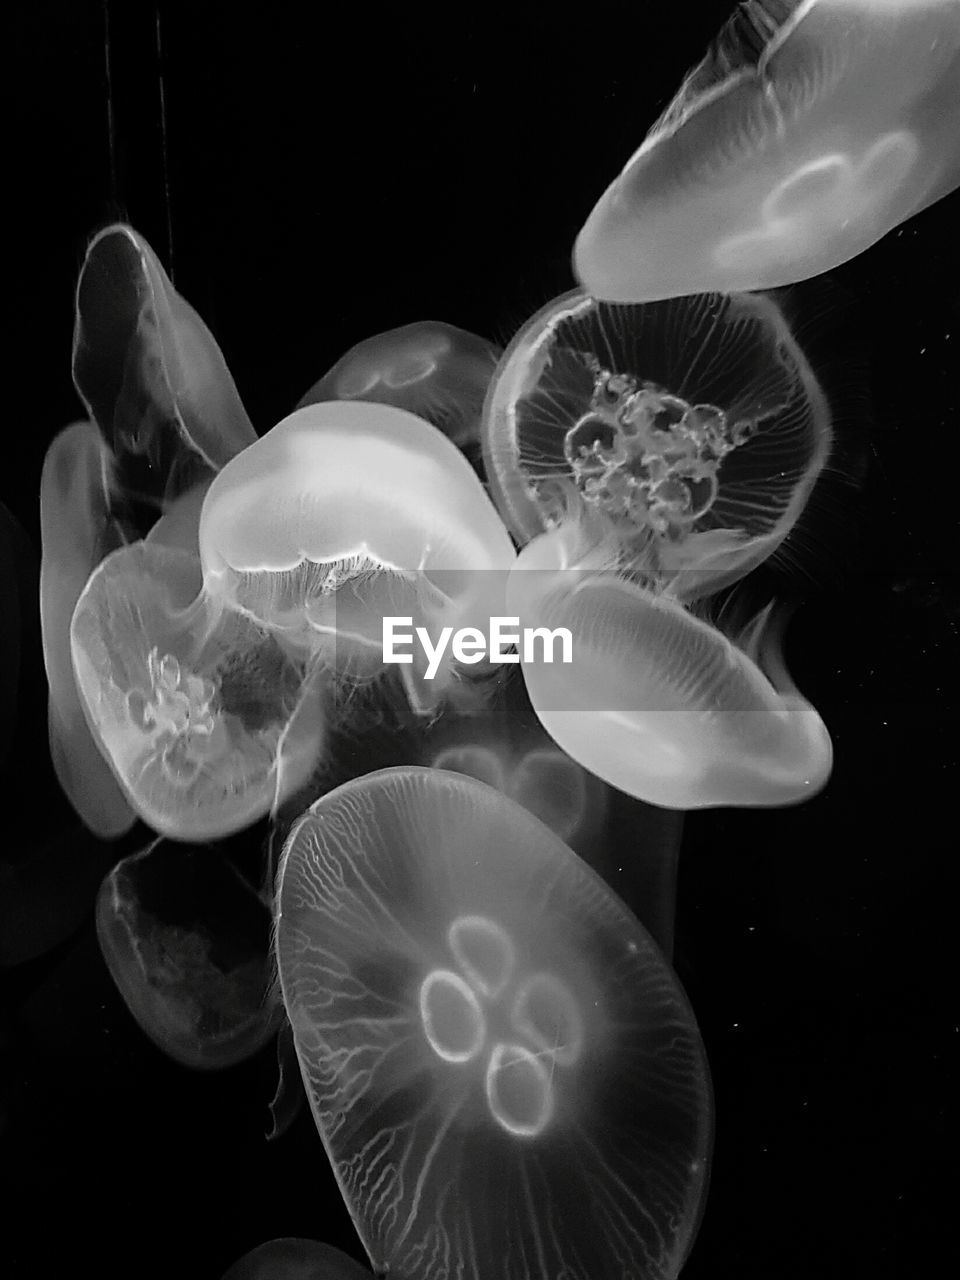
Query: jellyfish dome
[810, 130]
[346, 513]
[206, 721]
[432, 369]
[505, 1073]
[692, 430]
[293, 1259]
[151, 373]
[657, 702]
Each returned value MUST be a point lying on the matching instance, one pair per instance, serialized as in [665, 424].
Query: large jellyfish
[293, 1259]
[692, 429]
[76, 533]
[656, 701]
[347, 513]
[186, 941]
[151, 374]
[504, 1071]
[432, 369]
[207, 721]
[810, 130]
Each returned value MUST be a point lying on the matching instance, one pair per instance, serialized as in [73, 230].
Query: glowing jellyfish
[543, 779]
[656, 701]
[291, 1259]
[207, 722]
[693, 430]
[346, 513]
[186, 941]
[434, 370]
[810, 130]
[504, 1071]
[151, 373]
[77, 531]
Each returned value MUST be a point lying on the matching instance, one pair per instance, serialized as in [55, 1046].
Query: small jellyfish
[186, 941]
[482, 1025]
[207, 722]
[657, 702]
[542, 778]
[810, 130]
[76, 532]
[431, 369]
[292, 1259]
[693, 430]
[347, 513]
[151, 373]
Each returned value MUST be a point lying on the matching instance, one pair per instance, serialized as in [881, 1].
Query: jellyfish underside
[432, 369]
[346, 513]
[795, 145]
[465, 1017]
[658, 703]
[206, 721]
[186, 941]
[692, 431]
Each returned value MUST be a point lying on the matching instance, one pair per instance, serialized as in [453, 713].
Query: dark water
[312, 181]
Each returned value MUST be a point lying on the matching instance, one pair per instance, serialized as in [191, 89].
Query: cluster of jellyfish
[504, 1070]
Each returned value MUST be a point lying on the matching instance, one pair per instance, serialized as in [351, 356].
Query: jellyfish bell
[810, 130]
[76, 531]
[431, 369]
[206, 722]
[477, 1014]
[657, 702]
[347, 513]
[151, 373]
[293, 1259]
[186, 941]
[691, 431]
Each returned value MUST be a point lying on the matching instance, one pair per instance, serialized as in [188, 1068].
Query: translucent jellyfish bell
[810, 130]
[693, 430]
[206, 721]
[432, 369]
[504, 1071]
[151, 373]
[291, 1259]
[76, 533]
[186, 941]
[657, 702]
[346, 513]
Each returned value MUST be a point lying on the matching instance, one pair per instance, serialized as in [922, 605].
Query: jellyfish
[207, 722]
[810, 130]
[542, 778]
[432, 369]
[151, 374]
[694, 430]
[347, 514]
[506, 1075]
[186, 941]
[77, 532]
[292, 1259]
[655, 700]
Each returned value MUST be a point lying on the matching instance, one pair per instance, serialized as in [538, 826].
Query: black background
[323, 176]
